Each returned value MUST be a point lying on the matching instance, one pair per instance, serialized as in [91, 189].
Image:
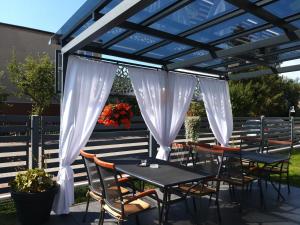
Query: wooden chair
[234, 172]
[203, 160]
[115, 203]
[94, 186]
[281, 168]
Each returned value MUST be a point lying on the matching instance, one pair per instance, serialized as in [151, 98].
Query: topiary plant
[192, 127]
[32, 181]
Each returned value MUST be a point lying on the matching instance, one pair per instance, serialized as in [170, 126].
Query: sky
[47, 15]
[50, 15]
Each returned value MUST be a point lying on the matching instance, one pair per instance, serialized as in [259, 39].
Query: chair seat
[123, 190]
[199, 190]
[133, 207]
[238, 180]
[275, 169]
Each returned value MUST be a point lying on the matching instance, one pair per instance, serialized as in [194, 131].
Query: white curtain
[163, 99]
[218, 108]
[87, 87]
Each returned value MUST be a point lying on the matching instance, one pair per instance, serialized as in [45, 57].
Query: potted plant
[192, 122]
[33, 193]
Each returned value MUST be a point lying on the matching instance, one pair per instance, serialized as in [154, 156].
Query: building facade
[23, 41]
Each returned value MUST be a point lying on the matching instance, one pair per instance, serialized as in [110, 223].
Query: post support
[262, 133]
[152, 146]
[35, 138]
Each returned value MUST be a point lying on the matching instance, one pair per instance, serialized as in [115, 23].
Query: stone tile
[276, 212]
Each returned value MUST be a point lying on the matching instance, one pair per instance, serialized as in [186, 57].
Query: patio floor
[276, 213]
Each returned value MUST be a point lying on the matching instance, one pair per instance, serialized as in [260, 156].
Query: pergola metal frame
[235, 59]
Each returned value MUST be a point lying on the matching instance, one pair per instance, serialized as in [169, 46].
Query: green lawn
[295, 169]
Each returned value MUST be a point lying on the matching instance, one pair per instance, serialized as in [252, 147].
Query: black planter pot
[34, 208]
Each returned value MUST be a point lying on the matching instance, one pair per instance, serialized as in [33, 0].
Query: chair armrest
[278, 142]
[225, 149]
[140, 195]
[202, 145]
[123, 179]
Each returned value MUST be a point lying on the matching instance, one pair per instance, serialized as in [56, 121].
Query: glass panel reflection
[192, 15]
[283, 8]
[234, 25]
[135, 42]
[167, 50]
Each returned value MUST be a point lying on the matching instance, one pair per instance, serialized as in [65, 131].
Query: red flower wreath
[116, 115]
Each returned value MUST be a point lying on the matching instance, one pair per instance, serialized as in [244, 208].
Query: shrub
[32, 181]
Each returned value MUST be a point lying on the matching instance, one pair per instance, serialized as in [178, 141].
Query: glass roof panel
[83, 27]
[283, 8]
[296, 23]
[234, 25]
[116, 31]
[288, 45]
[268, 33]
[210, 63]
[258, 36]
[222, 69]
[135, 42]
[289, 55]
[192, 15]
[167, 50]
[190, 56]
[150, 10]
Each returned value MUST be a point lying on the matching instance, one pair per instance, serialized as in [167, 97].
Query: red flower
[116, 114]
[123, 113]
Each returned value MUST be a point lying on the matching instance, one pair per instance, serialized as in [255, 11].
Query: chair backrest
[91, 170]
[232, 163]
[202, 153]
[278, 133]
[251, 136]
[180, 153]
[109, 181]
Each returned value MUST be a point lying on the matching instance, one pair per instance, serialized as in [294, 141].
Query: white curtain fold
[163, 99]
[217, 103]
[87, 87]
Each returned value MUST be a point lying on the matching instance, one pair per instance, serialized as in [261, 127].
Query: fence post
[152, 146]
[292, 129]
[262, 133]
[35, 156]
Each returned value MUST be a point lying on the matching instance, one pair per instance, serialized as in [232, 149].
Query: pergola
[219, 38]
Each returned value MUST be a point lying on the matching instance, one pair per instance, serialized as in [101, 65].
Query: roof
[26, 28]
[223, 37]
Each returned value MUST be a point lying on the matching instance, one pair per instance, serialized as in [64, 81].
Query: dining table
[162, 174]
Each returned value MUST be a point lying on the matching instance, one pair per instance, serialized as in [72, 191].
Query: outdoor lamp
[291, 111]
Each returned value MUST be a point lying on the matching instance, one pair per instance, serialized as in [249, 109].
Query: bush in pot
[192, 122]
[33, 193]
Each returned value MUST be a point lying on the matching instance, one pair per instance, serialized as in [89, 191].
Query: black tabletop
[168, 174]
[264, 158]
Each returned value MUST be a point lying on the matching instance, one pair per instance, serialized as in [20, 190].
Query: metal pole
[152, 146]
[35, 156]
[262, 133]
[292, 129]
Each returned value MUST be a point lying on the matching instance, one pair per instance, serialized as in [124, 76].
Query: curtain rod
[134, 65]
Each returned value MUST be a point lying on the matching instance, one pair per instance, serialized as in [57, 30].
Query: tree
[270, 95]
[34, 78]
[3, 93]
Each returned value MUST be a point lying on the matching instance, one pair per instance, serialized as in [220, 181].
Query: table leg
[268, 178]
[277, 190]
[163, 211]
[262, 201]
